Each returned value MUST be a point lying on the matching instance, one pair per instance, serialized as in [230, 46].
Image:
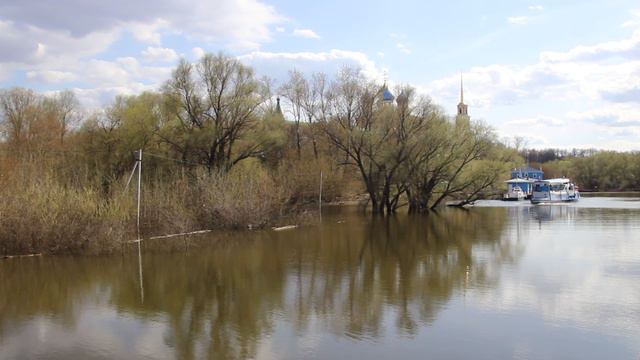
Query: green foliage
[601, 171]
[219, 154]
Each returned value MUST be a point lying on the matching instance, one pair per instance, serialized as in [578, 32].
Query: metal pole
[139, 161]
[320, 196]
[140, 273]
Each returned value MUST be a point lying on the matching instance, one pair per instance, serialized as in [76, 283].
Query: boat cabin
[525, 177]
[554, 190]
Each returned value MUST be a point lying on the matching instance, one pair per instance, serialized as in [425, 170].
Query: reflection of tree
[51, 286]
[412, 264]
[221, 300]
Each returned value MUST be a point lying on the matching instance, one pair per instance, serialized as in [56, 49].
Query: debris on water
[19, 256]
[288, 227]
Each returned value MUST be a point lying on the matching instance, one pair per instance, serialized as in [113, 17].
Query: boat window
[541, 187]
[557, 187]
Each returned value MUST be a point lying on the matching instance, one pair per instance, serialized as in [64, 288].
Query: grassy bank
[39, 214]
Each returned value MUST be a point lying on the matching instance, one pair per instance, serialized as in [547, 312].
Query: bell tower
[463, 115]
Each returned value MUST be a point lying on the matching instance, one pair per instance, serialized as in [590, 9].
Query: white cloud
[148, 32]
[82, 28]
[306, 33]
[591, 88]
[536, 7]
[51, 76]
[605, 71]
[198, 52]
[628, 48]
[546, 121]
[280, 29]
[612, 116]
[159, 54]
[64, 47]
[277, 65]
[635, 22]
[381, 54]
[518, 20]
[402, 47]
[32, 45]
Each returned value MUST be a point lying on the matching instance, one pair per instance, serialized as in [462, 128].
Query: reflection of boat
[516, 189]
[554, 191]
[557, 213]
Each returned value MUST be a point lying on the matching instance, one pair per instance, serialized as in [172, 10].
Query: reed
[43, 216]
[40, 214]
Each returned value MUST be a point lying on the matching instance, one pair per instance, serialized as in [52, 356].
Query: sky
[562, 74]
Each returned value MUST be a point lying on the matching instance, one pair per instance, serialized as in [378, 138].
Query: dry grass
[40, 215]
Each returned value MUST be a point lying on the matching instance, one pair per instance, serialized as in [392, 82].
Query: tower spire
[463, 114]
[461, 90]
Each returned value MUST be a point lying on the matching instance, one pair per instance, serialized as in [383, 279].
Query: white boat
[518, 189]
[554, 191]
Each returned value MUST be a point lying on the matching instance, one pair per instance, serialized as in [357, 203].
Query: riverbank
[41, 215]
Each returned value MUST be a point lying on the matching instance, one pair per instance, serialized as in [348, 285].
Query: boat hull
[555, 198]
[512, 198]
[547, 201]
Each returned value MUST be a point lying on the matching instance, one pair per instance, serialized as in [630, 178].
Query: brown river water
[497, 281]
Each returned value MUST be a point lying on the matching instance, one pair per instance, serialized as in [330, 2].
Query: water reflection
[551, 212]
[219, 301]
[287, 294]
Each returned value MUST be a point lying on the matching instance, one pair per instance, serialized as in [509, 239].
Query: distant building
[386, 95]
[527, 173]
[524, 178]
[462, 118]
[278, 110]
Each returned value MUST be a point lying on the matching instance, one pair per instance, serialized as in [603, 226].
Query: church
[462, 117]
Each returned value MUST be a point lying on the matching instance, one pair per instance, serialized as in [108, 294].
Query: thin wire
[171, 159]
[130, 177]
[84, 152]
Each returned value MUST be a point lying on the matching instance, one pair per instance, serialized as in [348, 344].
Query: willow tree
[379, 138]
[217, 103]
[307, 102]
[461, 161]
[31, 123]
[19, 117]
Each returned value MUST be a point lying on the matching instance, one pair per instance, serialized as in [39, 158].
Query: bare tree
[63, 106]
[296, 90]
[19, 112]
[216, 103]
[380, 139]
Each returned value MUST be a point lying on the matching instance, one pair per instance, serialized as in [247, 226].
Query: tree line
[599, 171]
[215, 113]
[215, 133]
[591, 169]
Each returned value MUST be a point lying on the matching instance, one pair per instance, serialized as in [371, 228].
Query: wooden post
[139, 162]
[140, 272]
[320, 196]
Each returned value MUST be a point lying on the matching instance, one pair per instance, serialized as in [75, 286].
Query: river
[496, 281]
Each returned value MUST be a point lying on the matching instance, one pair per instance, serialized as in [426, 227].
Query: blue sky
[560, 74]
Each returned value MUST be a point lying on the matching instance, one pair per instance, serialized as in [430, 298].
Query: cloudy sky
[560, 73]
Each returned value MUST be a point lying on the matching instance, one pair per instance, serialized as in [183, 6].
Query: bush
[43, 216]
[39, 214]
